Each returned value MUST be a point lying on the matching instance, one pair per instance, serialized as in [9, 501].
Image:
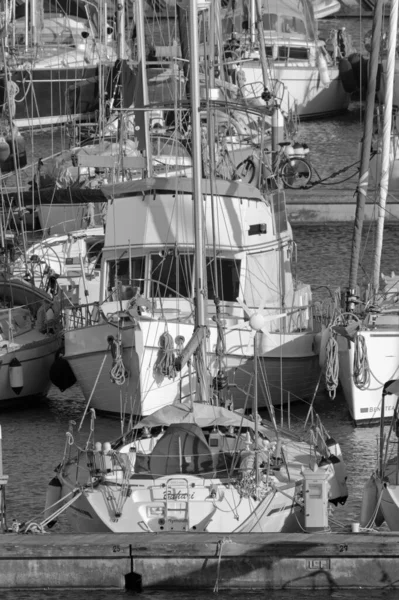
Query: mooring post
[3, 483]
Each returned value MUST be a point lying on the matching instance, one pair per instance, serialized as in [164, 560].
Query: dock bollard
[133, 581]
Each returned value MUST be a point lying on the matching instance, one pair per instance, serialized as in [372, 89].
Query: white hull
[289, 365]
[383, 358]
[93, 513]
[388, 494]
[301, 89]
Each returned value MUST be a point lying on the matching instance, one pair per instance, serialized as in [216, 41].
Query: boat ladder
[177, 505]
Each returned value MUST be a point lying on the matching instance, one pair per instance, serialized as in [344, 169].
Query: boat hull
[288, 364]
[42, 98]
[382, 347]
[36, 359]
[302, 89]
[91, 512]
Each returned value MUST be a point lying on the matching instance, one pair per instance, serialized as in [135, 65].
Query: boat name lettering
[179, 495]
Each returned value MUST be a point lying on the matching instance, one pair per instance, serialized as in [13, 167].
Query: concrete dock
[328, 204]
[200, 561]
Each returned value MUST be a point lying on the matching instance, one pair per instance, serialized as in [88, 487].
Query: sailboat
[70, 261]
[380, 501]
[30, 332]
[196, 465]
[301, 72]
[49, 46]
[367, 333]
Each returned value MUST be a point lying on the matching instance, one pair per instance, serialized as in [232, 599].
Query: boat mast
[261, 38]
[362, 187]
[199, 253]
[386, 141]
[142, 80]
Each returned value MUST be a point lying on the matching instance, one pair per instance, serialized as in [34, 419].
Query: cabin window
[228, 278]
[292, 25]
[171, 274]
[297, 53]
[118, 271]
[270, 22]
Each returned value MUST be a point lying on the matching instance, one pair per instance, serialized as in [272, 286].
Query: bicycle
[293, 171]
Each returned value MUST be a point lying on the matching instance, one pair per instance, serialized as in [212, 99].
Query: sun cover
[203, 415]
[182, 449]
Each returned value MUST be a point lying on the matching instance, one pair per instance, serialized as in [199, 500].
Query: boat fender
[347, 76]
[53, 497]
[15, 141]
[360, 67]
[323, 70]
[247, 462]
[4, 150]
[98, 466]
[107, 457]
[61, 374]
[338, 491]
[112, 345]
[16, 376]
[368, 516]
[95, 313]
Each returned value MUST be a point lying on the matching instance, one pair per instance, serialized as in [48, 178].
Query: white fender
[16, 376]
[339, 466]
[53, 497]
[338, 491]
[369, 504]
[323, 70]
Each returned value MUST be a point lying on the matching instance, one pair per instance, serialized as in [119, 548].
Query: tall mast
[200, 283]
[386, 141]
[145, 117]
[261, 39]
[120, 29]
[361, 192]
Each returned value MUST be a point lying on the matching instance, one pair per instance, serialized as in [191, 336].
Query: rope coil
[332, 367]
[361, 367]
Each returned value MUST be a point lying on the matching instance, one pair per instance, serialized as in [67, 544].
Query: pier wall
[200, 561]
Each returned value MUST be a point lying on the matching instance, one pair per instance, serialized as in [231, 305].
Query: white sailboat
[380, 502]
[194, 465]
[49, 46]
[301, 72]
[368, 342]
[29, 340]
[70, 262]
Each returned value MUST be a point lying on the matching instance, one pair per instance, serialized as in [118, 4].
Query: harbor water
[34, 436]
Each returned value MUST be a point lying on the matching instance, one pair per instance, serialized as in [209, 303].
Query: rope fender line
[361, 367]
[332, 367]
[219, 551]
